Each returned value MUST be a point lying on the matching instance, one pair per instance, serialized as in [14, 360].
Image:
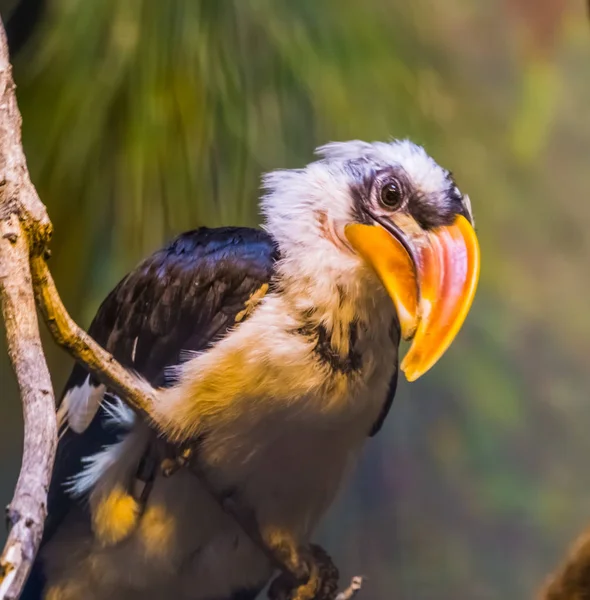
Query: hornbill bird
[274, 353]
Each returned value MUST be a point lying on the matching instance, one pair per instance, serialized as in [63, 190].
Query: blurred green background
[145, 118]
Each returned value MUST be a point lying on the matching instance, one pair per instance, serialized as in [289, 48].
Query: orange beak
[431, 278]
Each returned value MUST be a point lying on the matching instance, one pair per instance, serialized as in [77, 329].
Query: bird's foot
[171, 465]
[321, 584]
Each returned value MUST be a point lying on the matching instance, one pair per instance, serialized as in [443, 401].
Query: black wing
[395, 333]
[184, 297]
[386, 405]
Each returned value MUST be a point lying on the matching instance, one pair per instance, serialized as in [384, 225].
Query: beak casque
[431, 279]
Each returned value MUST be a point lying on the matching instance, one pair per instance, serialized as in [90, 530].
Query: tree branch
[24, 229]
[27, 511]
[571, 581]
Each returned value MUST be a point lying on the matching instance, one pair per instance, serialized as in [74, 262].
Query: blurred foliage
[142, 119]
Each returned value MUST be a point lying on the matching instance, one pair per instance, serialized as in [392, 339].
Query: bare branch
[572, 579]
[27, 510]
[24, 228]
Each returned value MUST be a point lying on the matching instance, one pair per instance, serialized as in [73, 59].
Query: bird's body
[304, 444]
[276, 355]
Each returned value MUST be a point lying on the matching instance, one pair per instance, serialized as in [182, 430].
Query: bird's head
[391, 210]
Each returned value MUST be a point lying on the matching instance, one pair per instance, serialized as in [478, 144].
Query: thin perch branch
[24, 229]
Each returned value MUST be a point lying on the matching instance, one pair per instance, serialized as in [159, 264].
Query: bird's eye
[391, 194]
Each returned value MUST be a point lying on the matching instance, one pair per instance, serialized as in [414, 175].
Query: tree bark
[24, 229]
[571, 581]
[27, 511]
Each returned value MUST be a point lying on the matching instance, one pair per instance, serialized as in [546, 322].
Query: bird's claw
[321, 584]
[169, 466]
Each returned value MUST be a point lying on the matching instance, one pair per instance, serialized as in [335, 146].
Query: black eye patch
[432, 210]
